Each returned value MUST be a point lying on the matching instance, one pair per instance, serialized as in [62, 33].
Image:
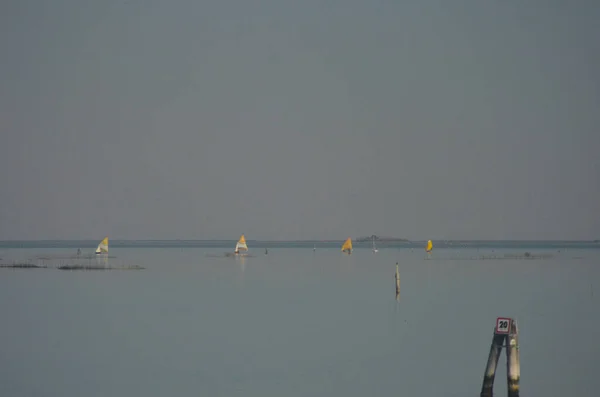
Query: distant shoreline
[397, 239]
[381, 238]
[382, 242]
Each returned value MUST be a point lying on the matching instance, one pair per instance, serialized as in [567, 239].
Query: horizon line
[400, 239]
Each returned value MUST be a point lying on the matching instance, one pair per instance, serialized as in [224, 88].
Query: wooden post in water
[501, 334]
[487, 390]
[513, 364]
[397, 282]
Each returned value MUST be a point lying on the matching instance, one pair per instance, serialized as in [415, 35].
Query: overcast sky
[299, 119]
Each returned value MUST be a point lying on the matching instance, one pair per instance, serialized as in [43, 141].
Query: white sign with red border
[502, 325]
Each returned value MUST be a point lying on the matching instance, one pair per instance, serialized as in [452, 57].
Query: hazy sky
[304, 119]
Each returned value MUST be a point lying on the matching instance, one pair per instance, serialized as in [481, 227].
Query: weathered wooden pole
[500, 333]
[513, 365]
[397, 282]
[487, 389]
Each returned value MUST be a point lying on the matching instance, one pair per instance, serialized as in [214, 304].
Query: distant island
[380, 238]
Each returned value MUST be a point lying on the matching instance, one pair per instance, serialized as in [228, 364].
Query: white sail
[102, 247]
[241, 244]
[374, 247]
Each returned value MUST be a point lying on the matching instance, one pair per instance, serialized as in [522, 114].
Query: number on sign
[502, 325]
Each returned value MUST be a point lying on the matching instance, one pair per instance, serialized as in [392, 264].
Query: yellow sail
[241, 244]
[347, 247]
[103, 246]
[429, 246]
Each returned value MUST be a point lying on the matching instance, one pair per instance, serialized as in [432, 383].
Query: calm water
[297, 323]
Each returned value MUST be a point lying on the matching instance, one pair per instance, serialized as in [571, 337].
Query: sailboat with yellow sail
[241, 245]
[429, 248]
[241, 249]
[347, 246]
[102, 247]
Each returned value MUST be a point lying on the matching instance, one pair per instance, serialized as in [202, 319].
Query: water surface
[297, 323]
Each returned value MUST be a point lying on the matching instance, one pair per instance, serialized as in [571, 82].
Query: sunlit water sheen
[297, 323]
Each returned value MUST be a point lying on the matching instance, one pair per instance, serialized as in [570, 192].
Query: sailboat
[429, 247]
[375, 250]
[347, 246]
[241, 245]
[102, 247]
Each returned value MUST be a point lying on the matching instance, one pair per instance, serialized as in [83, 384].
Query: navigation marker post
[513, 363]
[397, 282]
[506, 334]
